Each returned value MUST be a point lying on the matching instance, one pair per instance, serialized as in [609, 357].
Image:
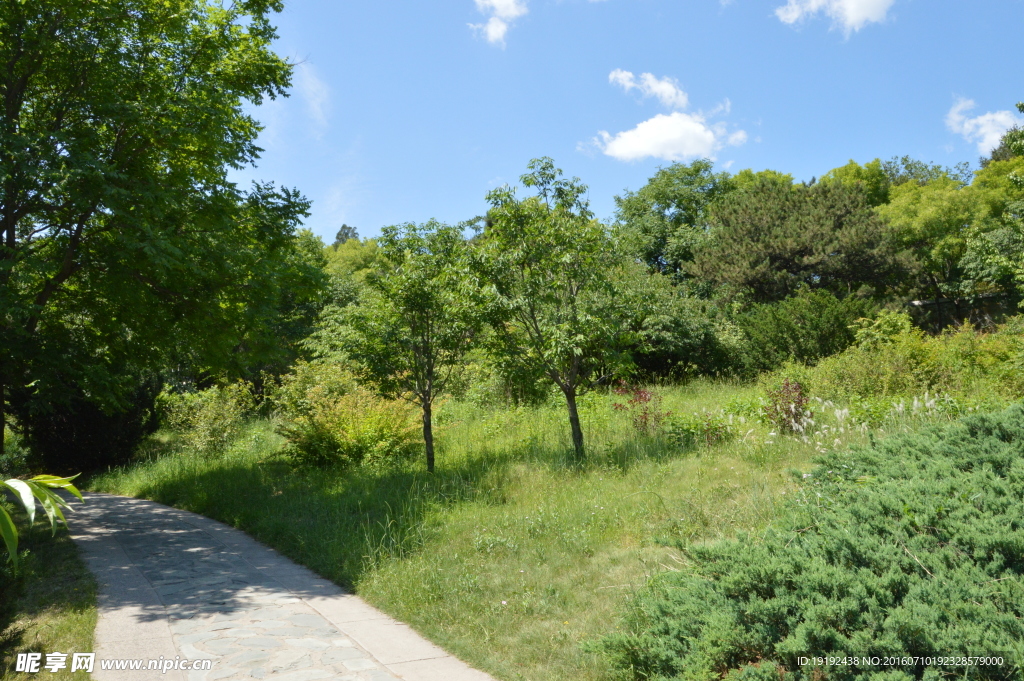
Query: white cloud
[676, 136]
[316, 95]
[738, 138]
[985, 130]
[666, 90]
[852, 15]
[502, 14]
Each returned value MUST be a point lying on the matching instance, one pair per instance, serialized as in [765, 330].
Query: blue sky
[406, 111]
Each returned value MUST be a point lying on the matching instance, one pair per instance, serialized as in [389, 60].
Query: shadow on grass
[341, 523]
[53, 595]
[336, 522]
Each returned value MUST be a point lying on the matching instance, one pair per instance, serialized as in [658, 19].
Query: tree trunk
[574, 424]
[428, 436]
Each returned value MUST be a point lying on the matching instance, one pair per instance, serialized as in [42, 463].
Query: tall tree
[943, 221]
[662, 221]
[410, 333]
[771, 238]
[118, 226]
[345, 234]
[548, 263]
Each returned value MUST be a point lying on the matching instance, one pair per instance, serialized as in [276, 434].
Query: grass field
[509, 556]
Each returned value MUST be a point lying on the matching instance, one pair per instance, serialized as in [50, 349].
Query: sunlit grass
[509, 555]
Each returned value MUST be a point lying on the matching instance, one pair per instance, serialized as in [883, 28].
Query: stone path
[177, 584]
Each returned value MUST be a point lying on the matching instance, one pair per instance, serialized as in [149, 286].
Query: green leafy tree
[421, 313]
[772, 238]
[119, 229]
[549, 266]
[345, 234]
[948, 226]
[662, 221]
[871, 177]
[902, 169]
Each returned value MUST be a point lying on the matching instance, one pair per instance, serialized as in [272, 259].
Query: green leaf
[24, 492]
[10, 535]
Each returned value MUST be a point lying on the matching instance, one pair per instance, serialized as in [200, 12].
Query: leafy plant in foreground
[27, 492]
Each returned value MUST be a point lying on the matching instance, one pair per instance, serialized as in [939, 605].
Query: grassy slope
[50, 606]
[506, 556]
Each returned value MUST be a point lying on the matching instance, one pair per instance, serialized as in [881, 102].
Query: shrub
[803, 328]
[913, 547]
[786, 407]
[207, 421]
[353, 429]
[643, 406]
[885, 327]
[700, 430]
[310, 384]
[960, 361]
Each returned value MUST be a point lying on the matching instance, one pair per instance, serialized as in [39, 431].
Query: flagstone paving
[178, 585]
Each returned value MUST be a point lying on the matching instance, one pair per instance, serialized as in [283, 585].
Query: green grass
[49, 606]
[509, 556]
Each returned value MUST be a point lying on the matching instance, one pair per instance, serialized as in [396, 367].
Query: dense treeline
[701, 273]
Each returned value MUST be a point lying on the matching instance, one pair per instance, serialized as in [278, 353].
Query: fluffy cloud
[666, 90]
[502, 14]
[985, 130]
[852, 15]
[675, 136]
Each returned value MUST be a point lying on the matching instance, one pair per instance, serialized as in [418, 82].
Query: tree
[344, 235]
[119, 229]
[548, 264]
[662, 221]
[939, 219]
[871, 177]
[771, 238]
[409, 334]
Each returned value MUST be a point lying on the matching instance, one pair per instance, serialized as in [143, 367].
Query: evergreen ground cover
[910, 548]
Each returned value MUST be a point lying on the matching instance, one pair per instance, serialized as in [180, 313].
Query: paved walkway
[177, 584]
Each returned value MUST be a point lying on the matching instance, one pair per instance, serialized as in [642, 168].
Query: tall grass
[509, 555]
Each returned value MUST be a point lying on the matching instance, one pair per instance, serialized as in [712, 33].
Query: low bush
[786, 406]
[982, 366]
[208, 420]
[911, 548]
[356, 428]
[700, 430]
[803, 328]
[310, 384]
[643, 406]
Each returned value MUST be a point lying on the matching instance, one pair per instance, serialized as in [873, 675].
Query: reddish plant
[787, 407]
[644, 407]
